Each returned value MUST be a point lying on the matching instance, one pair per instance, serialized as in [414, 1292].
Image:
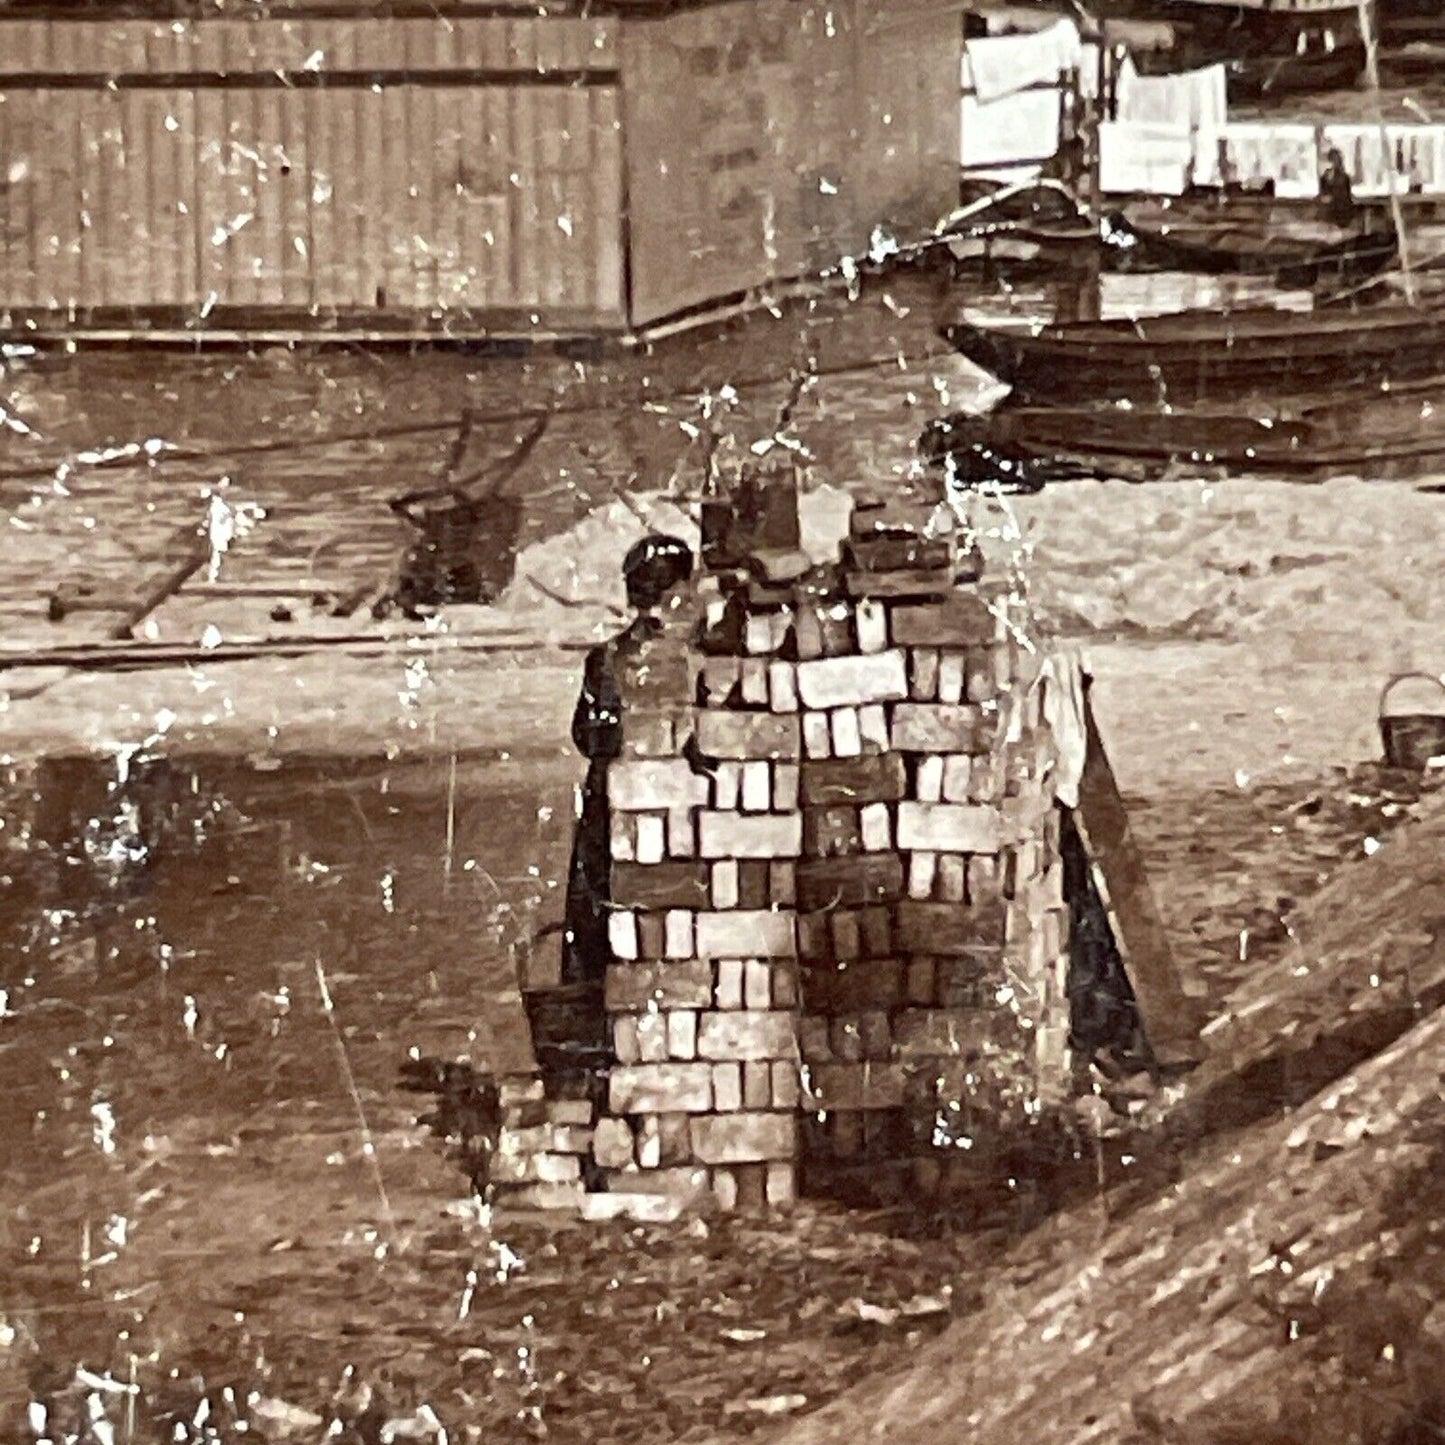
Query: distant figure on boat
[1337, 191]
[651, 570]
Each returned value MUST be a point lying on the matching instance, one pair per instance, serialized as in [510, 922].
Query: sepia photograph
[722, 721]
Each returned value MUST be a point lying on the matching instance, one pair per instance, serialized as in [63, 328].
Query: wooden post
[1397, 213]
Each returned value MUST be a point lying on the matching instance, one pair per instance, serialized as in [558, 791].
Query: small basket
[1412, 739]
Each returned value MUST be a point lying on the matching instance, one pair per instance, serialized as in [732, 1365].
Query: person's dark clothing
[597, 734]
[1338, 195]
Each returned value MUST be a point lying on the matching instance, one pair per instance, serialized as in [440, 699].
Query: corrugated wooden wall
[766, 139]
[331, 166]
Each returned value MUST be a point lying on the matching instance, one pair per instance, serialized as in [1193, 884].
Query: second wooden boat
[1195, 357]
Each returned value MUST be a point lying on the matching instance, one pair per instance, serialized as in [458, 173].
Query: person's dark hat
[653, 567]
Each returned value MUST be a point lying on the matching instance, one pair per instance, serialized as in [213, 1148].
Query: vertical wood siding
[192, 189]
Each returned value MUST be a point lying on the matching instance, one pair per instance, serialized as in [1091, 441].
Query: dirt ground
[212, 1183]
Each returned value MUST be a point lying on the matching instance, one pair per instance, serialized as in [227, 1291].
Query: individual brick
[752, 1187]
[748, 736]
[836, 682]
[660, 886]
[681, 1033]
[649, 1143]
[625, 1045]
[845, 736]
[831, 832]
[718, 680]
[913, 585]
[746, 1034]
[939, 1033]
[782, 687]
[813, 1040]
[817, 735]
[928, 780]
[651, 936]
[980, 683]
[921, 981]
[875, 1035]
[757, 1084]
[757, 789]
[920, 727]
[732, 835]
[535, 1168]
[674, 1138]
[727, 785]
[652, 1038]
[744, 1138]
[725, 883]
[845, 1040]
[636, 987]
[876, 827]
[725, 1190]
[758, 635]
[949, 828]
[808, 631]
[952, 885]
[622, 837]
[922, 874]
[986, 780]
[727, 1088]
[962, 620]
[898, 554]
[757, 984]
[681, 833]
[947, 929]
[745, 933]
[859, 1085]
[753, 682]
[847, 936]
[873, 729]
[785, 787]
[569, 1111]
[730, 975]
[871, 620]
[678, 941]
[755, 883]
[651, 838]
[950, 677]
[785, 1085]
[957, 778]
[655, 785]
[783, 883]
[622, 935]
[674, 1088]
[962, 982]
[814, 937]
[612, 1144]
[985, 879]
[785, 985]
[849, 881]
[780, 1185]
[853, 781]
[876, 932]
[923, 674]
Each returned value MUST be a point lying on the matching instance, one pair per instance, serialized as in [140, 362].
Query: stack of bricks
[930, 892]
[702, 996]
[839, 929]
[541, 1148]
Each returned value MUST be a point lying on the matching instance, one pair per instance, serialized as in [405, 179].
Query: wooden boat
[1194, 357]
[1236, 249]
[1393, 432]
[1036, 222]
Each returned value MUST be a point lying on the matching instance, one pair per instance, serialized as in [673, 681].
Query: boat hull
[1188, 360]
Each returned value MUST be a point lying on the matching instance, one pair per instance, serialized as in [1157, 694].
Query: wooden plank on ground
[1171, 1019]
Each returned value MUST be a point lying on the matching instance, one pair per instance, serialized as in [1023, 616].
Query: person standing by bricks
[651, 570]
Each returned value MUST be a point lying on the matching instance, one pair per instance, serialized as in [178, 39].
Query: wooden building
[493, 170]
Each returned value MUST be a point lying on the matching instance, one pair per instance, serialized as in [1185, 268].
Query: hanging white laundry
[1017, 129]
[1195, 98]
[1145, 159]
[1003, 65]
[1257, 151]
